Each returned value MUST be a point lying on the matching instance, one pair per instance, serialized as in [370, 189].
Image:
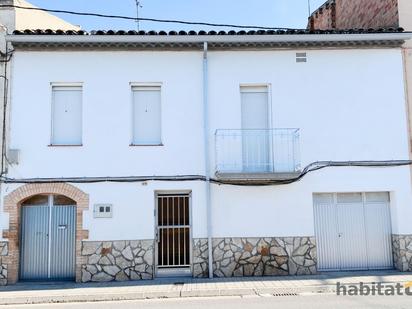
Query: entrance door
[353, 231]
[48, 228]
[255, 133]
[173, 234]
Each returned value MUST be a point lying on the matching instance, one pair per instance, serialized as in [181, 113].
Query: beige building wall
[405, 21]
[405, 14]
[30, 19]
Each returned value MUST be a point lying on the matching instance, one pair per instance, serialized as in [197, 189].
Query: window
[146, 115]
[66, 115]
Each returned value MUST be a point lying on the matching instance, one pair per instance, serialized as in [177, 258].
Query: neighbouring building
[228, 154]
[362, 14]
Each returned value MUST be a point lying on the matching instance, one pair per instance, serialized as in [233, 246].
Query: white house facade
[138, 155]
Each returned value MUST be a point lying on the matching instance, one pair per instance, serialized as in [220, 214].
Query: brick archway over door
[12, 205]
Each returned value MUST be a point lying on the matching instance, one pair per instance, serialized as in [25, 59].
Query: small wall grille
[301, 57]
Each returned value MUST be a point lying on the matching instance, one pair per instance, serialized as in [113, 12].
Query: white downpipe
[51, 203]
[207, 160]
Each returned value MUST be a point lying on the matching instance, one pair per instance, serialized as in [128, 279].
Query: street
[259, 302]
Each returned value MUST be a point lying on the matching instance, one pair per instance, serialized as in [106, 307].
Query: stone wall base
[238, 257]
[402, 252]
[117, 260]
[3, 266]
[200, 258]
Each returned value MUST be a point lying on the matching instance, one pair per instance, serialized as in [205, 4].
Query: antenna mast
[138, 6]
[309, 10]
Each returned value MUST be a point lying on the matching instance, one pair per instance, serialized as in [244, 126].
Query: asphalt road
[255, 302]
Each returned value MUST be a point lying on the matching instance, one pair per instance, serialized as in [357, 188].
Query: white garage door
[353, 231]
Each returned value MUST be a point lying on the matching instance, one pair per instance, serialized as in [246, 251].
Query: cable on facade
[147, 19]
[8, 53]
[315, 166]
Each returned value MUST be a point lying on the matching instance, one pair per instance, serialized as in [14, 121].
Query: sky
[273, 13]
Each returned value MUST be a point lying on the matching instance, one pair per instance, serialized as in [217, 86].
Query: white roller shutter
[353, 231]
[146, 116]
[66, 115]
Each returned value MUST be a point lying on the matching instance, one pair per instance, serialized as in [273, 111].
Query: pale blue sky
[276, 13]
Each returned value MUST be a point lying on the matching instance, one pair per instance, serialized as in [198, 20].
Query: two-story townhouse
[228, 154]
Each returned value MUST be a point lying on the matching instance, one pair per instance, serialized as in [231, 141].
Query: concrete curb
[74, 293]
[98, 297]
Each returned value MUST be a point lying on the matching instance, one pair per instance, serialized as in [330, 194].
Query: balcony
[257, 154]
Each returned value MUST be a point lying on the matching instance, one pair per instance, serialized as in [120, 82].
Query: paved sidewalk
[31, 293]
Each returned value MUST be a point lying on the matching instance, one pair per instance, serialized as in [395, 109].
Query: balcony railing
[256, 151]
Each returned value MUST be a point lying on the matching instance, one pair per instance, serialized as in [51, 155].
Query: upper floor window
[66, 115]
[146, 115]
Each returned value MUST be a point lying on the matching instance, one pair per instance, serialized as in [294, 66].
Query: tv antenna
[138, 6]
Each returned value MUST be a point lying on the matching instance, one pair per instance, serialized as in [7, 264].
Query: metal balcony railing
[257, 151]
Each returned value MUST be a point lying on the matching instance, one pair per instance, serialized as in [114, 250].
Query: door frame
[155, 217]
[12, 205]
[50, 206]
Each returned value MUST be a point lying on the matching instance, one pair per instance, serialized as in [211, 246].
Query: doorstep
[52, 292]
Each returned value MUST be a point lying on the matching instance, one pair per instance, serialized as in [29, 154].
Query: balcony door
[256, 137]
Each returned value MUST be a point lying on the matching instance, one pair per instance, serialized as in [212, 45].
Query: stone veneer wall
[117, 260]
[3, 267]
[236, 257]
[200, 266]
[402, 252]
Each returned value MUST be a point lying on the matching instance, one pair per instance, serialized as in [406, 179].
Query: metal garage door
[353, 231]
[48, 228]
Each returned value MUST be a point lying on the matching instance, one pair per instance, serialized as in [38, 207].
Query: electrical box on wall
[13, 156]
[103, 210]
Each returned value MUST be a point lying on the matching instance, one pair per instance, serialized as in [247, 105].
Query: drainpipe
[207, 160]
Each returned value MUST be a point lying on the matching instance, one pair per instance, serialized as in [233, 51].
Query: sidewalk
[35, 293]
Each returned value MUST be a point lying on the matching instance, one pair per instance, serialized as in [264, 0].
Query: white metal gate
[48, 229]
[353, 231]
[173, 233]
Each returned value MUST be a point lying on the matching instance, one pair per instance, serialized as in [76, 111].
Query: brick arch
[12, 205]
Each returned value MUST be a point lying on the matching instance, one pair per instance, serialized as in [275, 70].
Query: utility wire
[315, 166]
[137, 19]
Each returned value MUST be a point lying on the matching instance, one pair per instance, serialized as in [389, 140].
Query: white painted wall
[107, 118]
[349, 105]
[133, 208]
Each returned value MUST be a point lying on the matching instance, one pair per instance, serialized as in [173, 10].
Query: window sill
[146, 145]
[62, 145]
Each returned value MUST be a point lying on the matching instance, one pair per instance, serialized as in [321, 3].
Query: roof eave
[295, 39]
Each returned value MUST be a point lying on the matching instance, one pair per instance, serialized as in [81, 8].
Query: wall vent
[301, 57]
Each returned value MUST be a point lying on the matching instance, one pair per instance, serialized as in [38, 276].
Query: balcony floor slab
[255, 177]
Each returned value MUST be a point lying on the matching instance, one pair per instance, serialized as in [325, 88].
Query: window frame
[132, 109]
[65, 84]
